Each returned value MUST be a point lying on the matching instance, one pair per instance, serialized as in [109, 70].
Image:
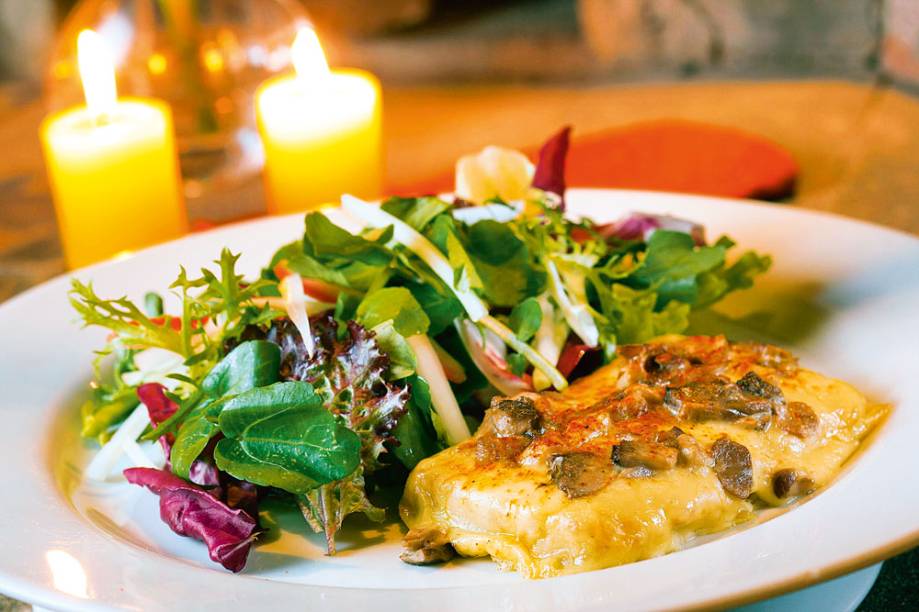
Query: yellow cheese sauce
[512, 510]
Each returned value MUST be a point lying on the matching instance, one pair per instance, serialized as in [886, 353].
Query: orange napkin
[670, 155]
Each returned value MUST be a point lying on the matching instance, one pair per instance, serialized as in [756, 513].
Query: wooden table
[858, 148]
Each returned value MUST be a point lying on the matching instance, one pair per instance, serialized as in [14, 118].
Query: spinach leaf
[232, 458]
[283, 429]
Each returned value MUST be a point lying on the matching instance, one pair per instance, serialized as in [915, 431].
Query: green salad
[356, 354]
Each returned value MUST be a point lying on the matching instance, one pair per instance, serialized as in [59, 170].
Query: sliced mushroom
[718, 400]
[515, 416]
[791, 483]
[733, 466]
[426, 546]
[642, 453]
[631, 403]
[752, 384]
[664, 365]
[579, 473]
[669, 437]
[490, 448]
[689, 449]
[798, 419]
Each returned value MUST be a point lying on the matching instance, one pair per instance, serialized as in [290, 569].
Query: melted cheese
[512, 511]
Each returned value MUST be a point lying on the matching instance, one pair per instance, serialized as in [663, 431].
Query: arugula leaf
[396, 304]
[415, 436]
[322, 238]
[309, 267]
[441, 308]
[492, 242]
[465, 274]
[416, 212]
[503, 263]
[671, 263]
[526, 317]
[283, 427]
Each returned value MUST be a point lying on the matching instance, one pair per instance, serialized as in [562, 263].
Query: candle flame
[97, 72]
[308, 58]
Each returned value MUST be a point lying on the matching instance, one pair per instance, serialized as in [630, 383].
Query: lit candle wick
[97, 73]
[309, 60]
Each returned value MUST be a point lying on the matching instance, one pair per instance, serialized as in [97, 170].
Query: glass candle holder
[205, 58]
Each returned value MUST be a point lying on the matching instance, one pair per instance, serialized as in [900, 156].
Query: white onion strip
[295, 304]
[429, 368]
[108, 456]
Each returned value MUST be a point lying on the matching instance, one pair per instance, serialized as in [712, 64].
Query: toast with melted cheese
[674, 439]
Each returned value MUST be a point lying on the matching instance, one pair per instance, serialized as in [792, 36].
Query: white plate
[843, 294]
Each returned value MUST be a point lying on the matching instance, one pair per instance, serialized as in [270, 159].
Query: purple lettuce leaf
[348, 373]
[159, 406]
[640, 226]
[192, 511]
[550, 168]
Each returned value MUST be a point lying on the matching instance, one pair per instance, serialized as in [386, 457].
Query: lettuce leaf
[281, 436]
[193, 511]
[252, 364]
[396, 304]
[417, 212]
[550, 168]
